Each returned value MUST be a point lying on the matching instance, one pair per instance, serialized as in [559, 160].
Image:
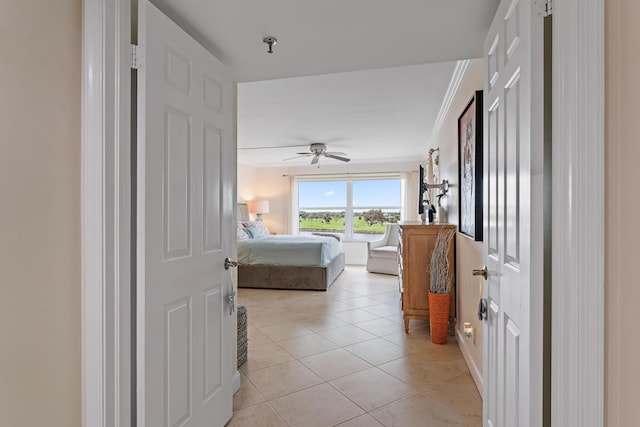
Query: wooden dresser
[414, 257]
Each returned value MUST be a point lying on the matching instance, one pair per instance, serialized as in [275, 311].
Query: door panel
[490, 392]
[512, 171]
[211, 197]
[492, 173]
[512, 367]
[186, 173]
[513, 51]
[213, 356]
[177, 182]
[177, 362]
[512, 29]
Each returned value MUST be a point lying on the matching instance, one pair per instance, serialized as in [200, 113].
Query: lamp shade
[258, 206]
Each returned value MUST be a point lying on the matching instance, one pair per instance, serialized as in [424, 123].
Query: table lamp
[258, 207]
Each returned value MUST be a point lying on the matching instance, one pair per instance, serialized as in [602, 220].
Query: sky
[333, 194]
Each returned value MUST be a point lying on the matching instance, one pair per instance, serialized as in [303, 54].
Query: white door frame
[578, 221]
[577, 365]
[106, 209]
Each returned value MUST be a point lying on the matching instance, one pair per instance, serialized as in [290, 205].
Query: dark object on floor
[242, 334]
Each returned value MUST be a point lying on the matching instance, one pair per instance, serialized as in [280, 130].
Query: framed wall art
[470, 168]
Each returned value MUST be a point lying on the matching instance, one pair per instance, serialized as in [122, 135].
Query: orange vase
[439, 317]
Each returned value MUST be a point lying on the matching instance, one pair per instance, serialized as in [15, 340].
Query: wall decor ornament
[470, 168]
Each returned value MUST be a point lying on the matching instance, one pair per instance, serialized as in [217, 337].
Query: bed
[286, 261]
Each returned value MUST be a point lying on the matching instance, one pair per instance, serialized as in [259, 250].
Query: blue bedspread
[290, 250]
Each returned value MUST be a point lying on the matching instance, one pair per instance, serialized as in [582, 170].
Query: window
[322, 206]
[375, 202]
[356, 208]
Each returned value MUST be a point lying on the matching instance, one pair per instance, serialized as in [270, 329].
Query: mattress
[288, 250]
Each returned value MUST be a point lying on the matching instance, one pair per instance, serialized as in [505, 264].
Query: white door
[186, 170]
[513, 201]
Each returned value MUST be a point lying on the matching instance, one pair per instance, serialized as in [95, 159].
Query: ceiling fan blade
[342, 159]
[295, 157]
[334, 153]
[315, 159]
[306, 154]
[271, 147]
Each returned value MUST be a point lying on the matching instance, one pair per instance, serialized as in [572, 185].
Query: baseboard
[471, 364]
[235, 382]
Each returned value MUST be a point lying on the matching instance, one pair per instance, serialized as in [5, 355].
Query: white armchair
[382, 254]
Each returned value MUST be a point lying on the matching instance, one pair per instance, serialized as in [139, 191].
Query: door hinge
[545, 7]
[136, 56]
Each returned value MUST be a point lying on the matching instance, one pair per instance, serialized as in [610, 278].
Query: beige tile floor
[342, 358]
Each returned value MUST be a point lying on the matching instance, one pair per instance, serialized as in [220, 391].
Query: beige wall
[622, 227]
[468, 252]
[273, 186]
[247, 178]
[266, 184]
[40, 213]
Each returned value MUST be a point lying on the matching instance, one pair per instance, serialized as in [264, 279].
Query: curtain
[410, 192]
[294, 223]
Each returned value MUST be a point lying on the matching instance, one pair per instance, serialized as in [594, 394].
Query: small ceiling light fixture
[271, 41]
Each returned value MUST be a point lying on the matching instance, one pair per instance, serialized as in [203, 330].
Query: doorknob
[482, 272]
[228, 263]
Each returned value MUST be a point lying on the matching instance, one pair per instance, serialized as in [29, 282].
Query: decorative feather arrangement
[439, 269]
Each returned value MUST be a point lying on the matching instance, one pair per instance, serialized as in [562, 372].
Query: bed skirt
[290, 277]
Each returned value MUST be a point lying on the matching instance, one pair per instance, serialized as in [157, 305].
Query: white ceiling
[384, 113]
[373, 116]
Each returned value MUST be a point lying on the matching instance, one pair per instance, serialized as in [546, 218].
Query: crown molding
[459, 72]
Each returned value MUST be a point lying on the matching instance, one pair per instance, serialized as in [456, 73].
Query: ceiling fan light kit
[318, 149]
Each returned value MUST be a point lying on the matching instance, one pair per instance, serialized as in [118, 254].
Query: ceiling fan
[318, 149]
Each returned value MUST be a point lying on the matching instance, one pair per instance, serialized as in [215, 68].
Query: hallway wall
[622, 228]
[468, 251]
[40, 321]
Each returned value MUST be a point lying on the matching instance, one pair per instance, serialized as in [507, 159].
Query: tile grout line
[387, 305]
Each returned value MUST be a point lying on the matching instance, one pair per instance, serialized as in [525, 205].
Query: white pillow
[256, 229]
[242, 232]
